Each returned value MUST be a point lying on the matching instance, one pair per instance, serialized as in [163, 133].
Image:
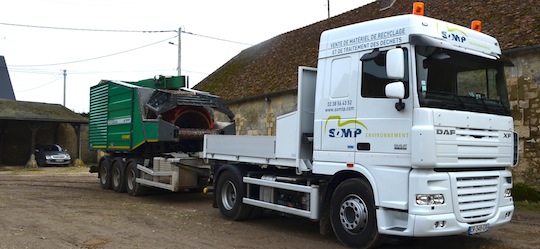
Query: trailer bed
[293, 144]
[248, 149]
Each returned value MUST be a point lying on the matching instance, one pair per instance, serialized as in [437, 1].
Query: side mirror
[395, 64]
[395, 90]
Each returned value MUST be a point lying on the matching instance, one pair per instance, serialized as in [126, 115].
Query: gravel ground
[66, 208]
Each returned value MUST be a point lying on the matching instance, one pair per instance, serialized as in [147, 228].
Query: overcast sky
[217, 30]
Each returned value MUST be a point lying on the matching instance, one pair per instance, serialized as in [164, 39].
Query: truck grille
[473, 148]
[477, 146]
[477, 197]
[59, 157]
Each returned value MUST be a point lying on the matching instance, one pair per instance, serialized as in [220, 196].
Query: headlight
[429, 199]
[68, 157]
[48, 157]
[507, 193]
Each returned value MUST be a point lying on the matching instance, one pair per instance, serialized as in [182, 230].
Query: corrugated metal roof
[33, 111]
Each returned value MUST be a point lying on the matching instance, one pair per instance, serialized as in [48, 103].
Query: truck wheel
[118, 179]
[230, 190]
[105, 173]
[132, 173]
[352, 214]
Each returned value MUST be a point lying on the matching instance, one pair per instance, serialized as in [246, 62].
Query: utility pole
[65, 87]
[328, 5]
[179, 51]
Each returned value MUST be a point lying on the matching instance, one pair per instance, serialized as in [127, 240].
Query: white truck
[403, 129]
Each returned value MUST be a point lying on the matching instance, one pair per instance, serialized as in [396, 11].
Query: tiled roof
[272, 65]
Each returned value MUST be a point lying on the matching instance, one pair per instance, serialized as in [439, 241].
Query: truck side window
[374, 78]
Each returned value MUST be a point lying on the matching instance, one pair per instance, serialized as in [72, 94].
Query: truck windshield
[453, 80]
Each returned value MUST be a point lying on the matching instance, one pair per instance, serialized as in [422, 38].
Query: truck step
[312, 212]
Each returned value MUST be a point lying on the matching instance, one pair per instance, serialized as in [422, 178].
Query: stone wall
[523, 80]
[257, 116]
[67, 138]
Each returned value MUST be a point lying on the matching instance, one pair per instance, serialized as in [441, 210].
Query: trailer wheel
[105, 173]
[132, 173]
[352, 214]
[118, 179]
[230, 191]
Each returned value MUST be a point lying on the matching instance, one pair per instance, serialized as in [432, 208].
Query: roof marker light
[418, 8]
[476, 25]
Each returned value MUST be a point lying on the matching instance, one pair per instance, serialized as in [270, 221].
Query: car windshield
[453, 80]
[51, 147]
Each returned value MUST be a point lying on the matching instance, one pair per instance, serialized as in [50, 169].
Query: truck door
[385, 129]
[338, 102]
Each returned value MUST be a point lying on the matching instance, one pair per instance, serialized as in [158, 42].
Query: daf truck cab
[403, 129]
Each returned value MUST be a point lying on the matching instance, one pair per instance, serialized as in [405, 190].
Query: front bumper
[424, 226]
[57, 161]
[430, 225]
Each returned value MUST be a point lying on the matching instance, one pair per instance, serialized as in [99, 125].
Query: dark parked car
[51, 154]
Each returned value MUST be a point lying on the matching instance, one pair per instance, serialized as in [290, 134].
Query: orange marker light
[476, 25]
[418, 8]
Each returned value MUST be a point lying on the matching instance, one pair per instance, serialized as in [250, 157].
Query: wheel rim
[353, 214]
[116, 176]
[228, 195]
[103, 174]
[131, 179]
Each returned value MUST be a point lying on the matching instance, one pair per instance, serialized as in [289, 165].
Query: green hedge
[522, 192]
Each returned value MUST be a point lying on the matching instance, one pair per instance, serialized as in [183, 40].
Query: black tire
[133, 188]
[352, 214]
[118, 178]
[105, 173]
[229, 193]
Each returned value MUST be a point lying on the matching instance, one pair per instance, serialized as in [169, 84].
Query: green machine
[151, 131]
[152, 116]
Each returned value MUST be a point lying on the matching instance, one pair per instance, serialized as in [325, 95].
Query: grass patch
[526, 198]
[522, 192]
[527, 206]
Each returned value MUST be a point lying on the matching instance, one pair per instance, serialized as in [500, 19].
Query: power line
[86, 29]
[31, 70]
[49, 72]
[121, 31]
[27, 90]
[95, 58]
[215, 38]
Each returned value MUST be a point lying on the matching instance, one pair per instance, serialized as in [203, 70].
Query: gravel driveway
[66, 208]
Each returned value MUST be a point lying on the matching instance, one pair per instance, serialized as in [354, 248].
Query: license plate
[58, 160]
[480, 228]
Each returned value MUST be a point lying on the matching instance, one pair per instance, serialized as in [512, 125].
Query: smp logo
[343, 131]
[454, 34]
[448, 132]
[453, 37]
